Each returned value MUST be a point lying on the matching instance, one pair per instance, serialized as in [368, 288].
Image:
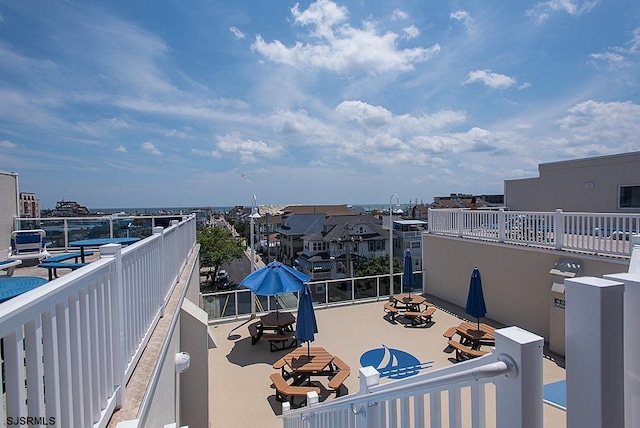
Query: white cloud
[618, 57]
[210, 153]
[490, 79]
[121, 149]
[411, 32]
[248, 150]
[634, 42]
[337, 46]
[543, 10]
[237, 33]
[6, 144]
[150, 148]
[177, 133]
[463, 17]
[603, 122]
[399, 15]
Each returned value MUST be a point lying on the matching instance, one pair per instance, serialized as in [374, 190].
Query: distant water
[152, 211]
[185, 210]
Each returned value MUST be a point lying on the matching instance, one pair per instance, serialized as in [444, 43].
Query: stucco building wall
[516, 279]
[581, 185]
[8, 206]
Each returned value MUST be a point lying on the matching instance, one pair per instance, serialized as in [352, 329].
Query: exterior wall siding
[516, 280]
[583, 185]
[8, 206]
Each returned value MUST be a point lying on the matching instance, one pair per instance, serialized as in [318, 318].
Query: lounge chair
[28, 245]
[8, 265]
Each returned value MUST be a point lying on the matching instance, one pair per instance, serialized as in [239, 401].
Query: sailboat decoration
[393, 363]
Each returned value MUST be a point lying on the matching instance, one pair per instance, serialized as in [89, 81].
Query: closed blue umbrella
[306, 326]
[475, 299]
[407, 277]
[275, 278]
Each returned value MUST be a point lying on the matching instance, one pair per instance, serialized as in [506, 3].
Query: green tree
[218, 246]
[376, 266]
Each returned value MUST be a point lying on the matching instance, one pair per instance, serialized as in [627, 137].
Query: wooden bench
[390, 309]
[336, 382]
[286, 392]
[280, 342]
[54, 266]
[450, 332]
[418, 318]
[255, 331]
[463, 352]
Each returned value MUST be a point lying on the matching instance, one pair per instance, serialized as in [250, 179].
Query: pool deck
[240, 389]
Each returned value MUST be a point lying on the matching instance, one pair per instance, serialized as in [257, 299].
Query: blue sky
[194, 103]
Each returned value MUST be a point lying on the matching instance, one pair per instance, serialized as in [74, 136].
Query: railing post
[65, 228]
[594, 357]
[114, 251]
[558, 229]
[631, 321]
[158, 230]
[369, 377]
[460, 216]
[519, 396]
[502, 224]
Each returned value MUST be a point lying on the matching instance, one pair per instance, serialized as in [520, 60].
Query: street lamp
[254, 215]
[399, 211]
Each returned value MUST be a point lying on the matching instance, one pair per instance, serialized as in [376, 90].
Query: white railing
[70, 345]
[62, 230]
[237, 303]
[438, 398]
[589, 232]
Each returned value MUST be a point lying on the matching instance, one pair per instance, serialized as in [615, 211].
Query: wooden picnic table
[303, 366]
[470, 334]
[410, 302]
[278, 321]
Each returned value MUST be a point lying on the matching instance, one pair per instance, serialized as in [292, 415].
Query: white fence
[70, 345]
[438, 398]
[589, 232]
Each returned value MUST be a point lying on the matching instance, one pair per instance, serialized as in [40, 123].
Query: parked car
[222, 280]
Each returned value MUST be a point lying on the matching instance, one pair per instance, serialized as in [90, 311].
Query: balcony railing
[237, 303]
[434, 398]
[70, 345]
[62, 230]
[595, 233]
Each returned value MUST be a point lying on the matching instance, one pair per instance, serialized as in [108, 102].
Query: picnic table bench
[418, 318]
[464, 352]
[278, 341]
[336, 382]
[286, 392]
[66, 256]
[54, 266]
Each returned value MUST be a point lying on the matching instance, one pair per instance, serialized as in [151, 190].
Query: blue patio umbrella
[275, 278]
[407, 277]
[306, 326]
[475, 299]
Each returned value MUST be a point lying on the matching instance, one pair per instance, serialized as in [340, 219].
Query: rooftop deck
[240, 388]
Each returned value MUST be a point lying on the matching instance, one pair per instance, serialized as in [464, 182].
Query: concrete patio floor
[240, 389]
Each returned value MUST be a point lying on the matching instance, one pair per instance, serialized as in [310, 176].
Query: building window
[415, 244]
[629, 197]
[376, 246]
